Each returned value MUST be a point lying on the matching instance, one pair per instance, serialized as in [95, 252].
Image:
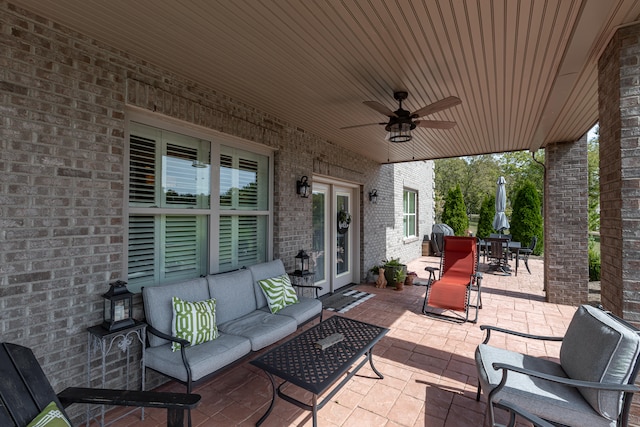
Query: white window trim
[218, 139]
[414, 237]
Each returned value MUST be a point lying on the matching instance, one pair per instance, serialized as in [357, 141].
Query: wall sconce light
[373, 196]
[303, 187]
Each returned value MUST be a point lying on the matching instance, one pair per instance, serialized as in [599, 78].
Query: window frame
[407, 215]
[213, 212]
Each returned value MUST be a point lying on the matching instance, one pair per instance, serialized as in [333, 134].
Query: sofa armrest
[490, 328]
[316, 288]
[181, 341]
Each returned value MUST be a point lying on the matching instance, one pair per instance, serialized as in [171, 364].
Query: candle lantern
[118, 307]
[302, 260]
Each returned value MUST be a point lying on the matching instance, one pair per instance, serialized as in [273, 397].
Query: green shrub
[485, 221]
[454, 213]
[594, 261]
[526, 217]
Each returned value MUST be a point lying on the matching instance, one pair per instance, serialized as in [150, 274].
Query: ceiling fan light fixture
[400, 132]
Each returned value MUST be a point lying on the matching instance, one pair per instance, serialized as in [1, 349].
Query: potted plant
[395, 271]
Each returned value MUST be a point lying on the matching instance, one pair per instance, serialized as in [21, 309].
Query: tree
[485, 221]
[520, 166]
[526, 218]
[475, 175]
[593, 168]
[454, 213]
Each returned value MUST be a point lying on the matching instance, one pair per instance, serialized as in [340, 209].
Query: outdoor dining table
[514, 248]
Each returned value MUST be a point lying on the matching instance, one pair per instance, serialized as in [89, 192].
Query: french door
[335, 247]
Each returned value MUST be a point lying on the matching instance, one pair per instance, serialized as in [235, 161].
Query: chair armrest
[627, 388]
[181, 341]
[514, 409]
[147, 399]
[490, 328]
[432, 274]
[175, 403]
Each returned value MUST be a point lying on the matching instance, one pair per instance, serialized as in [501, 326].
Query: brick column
[619, 110]
[566, 268]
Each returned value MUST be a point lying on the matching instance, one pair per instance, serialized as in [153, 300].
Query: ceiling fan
[402, 122]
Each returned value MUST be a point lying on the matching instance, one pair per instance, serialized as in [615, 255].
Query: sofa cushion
[304, 310]
[260, 327]
[193, 321]
[203, 359]
[157, 304]
[278, 292]
[234, 294]
[598, 348]
[559, 403]
[263, 271]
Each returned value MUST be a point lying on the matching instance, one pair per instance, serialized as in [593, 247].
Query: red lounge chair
[459, 276]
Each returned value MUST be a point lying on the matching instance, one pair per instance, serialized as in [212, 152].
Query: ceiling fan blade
[435, 124]
[443, 104]
[380, 108]
[359, 126]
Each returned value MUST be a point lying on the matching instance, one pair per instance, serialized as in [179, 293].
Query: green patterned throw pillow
[279, 292]
[194, 321]
[51, 416]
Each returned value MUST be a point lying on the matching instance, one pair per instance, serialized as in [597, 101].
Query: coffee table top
[300, 362]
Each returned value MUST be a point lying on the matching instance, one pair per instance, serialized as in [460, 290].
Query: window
[174, 223]
[244, 210]
[409, 199]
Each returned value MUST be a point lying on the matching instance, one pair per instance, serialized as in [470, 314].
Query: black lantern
[118, 307]
[373, 196]
[303, 187]
[303, 263]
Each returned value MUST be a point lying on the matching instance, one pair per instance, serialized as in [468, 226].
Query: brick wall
[566, 228]
[63, 103]
[619, 109]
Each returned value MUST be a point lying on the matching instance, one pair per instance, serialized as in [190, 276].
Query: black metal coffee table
[301, 362]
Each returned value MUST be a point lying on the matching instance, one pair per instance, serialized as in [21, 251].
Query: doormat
[341, 302]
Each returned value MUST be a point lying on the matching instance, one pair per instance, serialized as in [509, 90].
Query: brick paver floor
[428, 364]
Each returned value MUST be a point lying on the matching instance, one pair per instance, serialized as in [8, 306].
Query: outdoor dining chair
[459, 277]
[525, 252]
[498, 255]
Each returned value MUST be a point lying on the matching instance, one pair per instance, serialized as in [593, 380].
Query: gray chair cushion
[557, 402]
[234, 294]
[203, 359]
[303, 310]
[158, 308]
[598, 348]
[261, 328]
[265, 270]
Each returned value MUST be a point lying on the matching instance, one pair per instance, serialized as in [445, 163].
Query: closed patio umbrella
[500, 221]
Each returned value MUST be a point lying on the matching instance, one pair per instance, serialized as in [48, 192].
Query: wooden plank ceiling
[526, 71]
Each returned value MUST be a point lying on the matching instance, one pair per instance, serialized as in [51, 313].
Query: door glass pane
[318, 259]
[342, 250]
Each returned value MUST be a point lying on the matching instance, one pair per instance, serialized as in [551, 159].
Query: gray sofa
[245, 323]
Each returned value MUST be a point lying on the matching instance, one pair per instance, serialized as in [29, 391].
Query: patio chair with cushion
[590, 385]
[459, 276]
[26, 395]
